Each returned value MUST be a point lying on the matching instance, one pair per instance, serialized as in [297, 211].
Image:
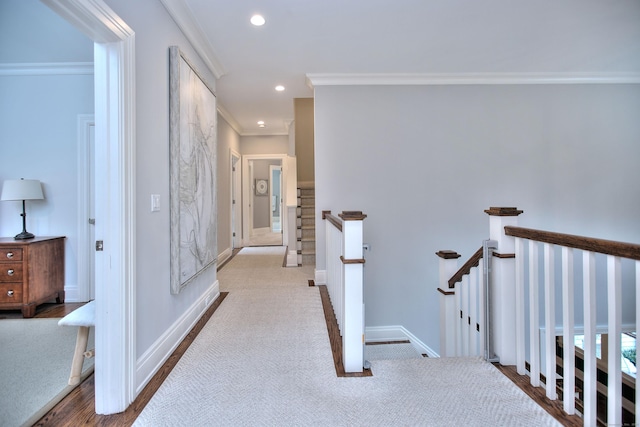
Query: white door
[86, 210]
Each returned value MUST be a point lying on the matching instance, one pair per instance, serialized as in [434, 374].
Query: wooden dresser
[31, 273]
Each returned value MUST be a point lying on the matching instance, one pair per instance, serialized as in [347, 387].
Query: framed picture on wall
[192, 135]
[262, 187]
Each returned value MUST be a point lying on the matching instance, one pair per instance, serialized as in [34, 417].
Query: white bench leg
[78, 355]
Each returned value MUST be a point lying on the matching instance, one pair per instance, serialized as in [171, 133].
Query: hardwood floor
[78, 407]
[334, 337]
[554, 407]
[43, 311]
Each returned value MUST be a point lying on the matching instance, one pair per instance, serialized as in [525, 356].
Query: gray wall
[228, 140]
[269, 144]
[423, 162]
[38, 116]
[157, 309]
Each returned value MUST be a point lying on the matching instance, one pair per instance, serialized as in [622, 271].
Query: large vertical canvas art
[192, 137]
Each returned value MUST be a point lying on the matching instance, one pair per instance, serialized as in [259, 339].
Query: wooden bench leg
[78, 355]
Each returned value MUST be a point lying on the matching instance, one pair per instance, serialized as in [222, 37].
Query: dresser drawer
[10, 254]
[10, 292]
[10, 272]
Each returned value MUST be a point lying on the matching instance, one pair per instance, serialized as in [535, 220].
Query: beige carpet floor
[264, 359]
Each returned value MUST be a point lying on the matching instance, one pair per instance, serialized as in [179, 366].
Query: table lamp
[22, 189]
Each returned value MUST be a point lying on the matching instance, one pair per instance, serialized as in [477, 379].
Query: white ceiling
[362, 41]
[420, 37]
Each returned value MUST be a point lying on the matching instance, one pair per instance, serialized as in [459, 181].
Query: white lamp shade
[22, 189]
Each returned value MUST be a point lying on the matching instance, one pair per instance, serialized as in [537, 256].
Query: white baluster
[589, 346]
[520, 308]
[473, 312]
[534, 313]
[464, 294]
[614, 303]
[550, 320]
[568, 339]
[637, 328]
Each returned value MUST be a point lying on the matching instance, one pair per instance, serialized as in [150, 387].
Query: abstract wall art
[192, 140]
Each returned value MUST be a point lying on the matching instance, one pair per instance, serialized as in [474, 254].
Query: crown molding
[46, 69]
[395, 79]
[264, 133]
[228, 117]
[183, 17]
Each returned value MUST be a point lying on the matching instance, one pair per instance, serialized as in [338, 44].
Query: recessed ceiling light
[257, 20]
[261, 124]
[279, 88]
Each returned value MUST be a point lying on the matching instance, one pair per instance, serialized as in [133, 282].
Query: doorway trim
[85, 290]
[114, 91]
[278, 201]
[236, 198]
[247, 192]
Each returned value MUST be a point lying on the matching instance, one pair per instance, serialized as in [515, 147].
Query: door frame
[247, 192]
[114, 94]
[86, 209]
[271, 187]
[235, 168]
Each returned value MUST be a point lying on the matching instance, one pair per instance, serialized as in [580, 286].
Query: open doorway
[263, 204]
[264, 177]
[114, 94]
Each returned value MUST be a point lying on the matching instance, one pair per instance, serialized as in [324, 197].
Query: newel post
[353, 270]
[448, 330]
[502, 297]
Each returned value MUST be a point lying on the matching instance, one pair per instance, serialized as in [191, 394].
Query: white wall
[423, 162]
[38, 118]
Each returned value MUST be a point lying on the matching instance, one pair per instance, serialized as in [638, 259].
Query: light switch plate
[155, 203]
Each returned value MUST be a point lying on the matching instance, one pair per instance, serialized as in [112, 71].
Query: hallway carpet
[264, 359]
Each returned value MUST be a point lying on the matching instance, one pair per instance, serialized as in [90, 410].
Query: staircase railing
[345, 282]
[524, 281]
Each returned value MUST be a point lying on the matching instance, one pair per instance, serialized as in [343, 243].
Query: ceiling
[341, 38]
[360, 42]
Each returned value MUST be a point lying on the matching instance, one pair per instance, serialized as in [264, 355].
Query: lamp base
[24, 235]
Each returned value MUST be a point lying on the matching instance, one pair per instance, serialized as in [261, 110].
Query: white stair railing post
[448, 330]
[353, 268]
[502, 298]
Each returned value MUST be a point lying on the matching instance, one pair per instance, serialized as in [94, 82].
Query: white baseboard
[292, 258]
[72, 293]
[321, 277]
[397, 333]
[225, 255]
[153, 359]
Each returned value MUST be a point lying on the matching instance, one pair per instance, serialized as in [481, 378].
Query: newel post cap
[503, 211]
[448, 254]
[352, 216]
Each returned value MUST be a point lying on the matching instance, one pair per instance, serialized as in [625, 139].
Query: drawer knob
[9, 255]
[10, 292]
[10, 272]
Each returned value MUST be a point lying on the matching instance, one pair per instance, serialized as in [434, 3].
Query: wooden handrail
[337, 223]
[466, 268]
[608, 247]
